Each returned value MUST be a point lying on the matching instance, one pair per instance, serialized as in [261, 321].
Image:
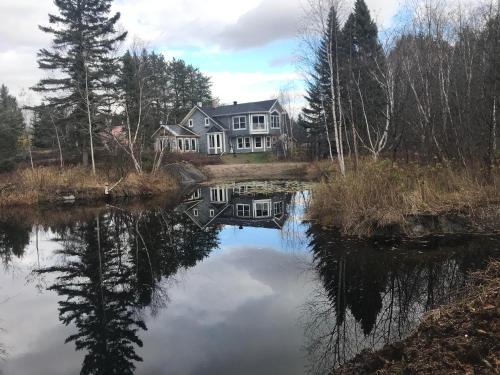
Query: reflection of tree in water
[373, 295]
[110, 267]
[14, 237]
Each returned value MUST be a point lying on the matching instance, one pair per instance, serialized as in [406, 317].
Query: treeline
[426, 89]
[92, 90]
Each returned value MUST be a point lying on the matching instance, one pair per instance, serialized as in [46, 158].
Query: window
[217, 195]
[195, 212]
[262, 209]
[207, 121]
[190, 123]
[193, 144]
[212, 213]
[275, 121]
[277, 208]
[247, 142]
[196, 195]
[258, 122]
[180, 144]
[243, 210]
[239, 123]
[258, 142]
[242, 143]
[268, 142]
[186, 144]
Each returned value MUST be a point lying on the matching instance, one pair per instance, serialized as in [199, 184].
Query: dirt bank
[460, 338]
[262, 171]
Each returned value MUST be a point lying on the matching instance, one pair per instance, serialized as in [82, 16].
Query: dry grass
[381, 193]
[47, 184]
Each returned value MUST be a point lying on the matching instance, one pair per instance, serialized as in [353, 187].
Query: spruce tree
[11, 123]
[318, 91]
[362, 59]
[84, 39]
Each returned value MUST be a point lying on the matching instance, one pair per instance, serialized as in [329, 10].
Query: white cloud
[243, 87]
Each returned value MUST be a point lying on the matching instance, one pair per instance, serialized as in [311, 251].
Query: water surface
[231, 280]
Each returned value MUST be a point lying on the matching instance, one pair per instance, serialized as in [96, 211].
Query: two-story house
[236, 128]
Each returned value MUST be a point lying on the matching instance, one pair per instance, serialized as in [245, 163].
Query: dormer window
[207, 121]
[275, 121]
[239, 123]
[190, 123]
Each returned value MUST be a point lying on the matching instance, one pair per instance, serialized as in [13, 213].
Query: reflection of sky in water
[236, 312]
[291, 238]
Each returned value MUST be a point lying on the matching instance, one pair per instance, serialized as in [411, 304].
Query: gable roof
[178, 131]
[226, 110]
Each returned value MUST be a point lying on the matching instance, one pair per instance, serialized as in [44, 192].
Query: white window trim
[244, 145]
[211, 213]
[252, 129]
[239, 122]
[282, 208]
[194, 140]
[269, 207]
[190, 123]
[207, 122]
[268, 142]
[196, 212]
[244, 206]
[261, 142]
[273, 115]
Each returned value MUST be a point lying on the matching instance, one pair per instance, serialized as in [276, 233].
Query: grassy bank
[380, 194]
[50, 184]
[459, 338]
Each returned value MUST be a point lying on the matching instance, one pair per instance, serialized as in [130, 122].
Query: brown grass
[48, 184]
[382, 193]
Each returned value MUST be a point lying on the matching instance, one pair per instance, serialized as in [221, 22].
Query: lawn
[253, 158]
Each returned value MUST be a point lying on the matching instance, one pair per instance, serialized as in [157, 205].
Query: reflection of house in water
[249, 204]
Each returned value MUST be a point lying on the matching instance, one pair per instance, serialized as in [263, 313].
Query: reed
[47, 184]
[382, 193]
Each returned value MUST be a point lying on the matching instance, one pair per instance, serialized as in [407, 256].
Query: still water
[231, 280]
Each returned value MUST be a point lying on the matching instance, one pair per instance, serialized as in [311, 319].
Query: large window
[258, 142]
[262, 209]
[243, 142]
[275, 121]
[186, 145]
[218, 195]
[258, 122]
[243, 210]
[180, 144]
[193, 144]
[239, 123]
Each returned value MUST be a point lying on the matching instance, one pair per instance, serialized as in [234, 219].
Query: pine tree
[11, 123]
[84, 38]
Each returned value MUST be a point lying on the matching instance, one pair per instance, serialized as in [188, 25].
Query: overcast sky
[246, 46]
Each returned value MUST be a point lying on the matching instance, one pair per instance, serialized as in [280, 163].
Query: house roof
[225, 110]
[178, 131]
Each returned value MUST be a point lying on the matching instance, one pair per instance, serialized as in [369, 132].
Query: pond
[229, 280]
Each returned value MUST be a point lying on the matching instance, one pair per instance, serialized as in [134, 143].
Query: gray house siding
[221, 121]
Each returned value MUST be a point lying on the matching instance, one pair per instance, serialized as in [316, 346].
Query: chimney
[200, 104]
[235, 103]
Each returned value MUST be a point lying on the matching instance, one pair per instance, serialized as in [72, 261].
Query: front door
[215, 143]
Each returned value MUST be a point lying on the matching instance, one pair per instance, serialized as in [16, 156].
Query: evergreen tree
[318, 92]
[362, 59]
[11, 123]
[84, 38]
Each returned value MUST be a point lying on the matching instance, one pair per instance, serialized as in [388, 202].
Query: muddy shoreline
[458, 338]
